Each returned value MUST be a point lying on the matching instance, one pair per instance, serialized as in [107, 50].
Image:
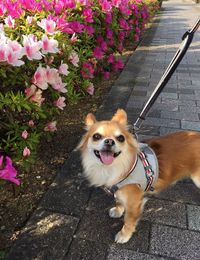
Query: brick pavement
[72, 220]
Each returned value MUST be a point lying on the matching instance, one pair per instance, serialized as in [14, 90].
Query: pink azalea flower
[136, 37]
[106, 74]
[104, 46]
[49, 45]
[116, 3]
[40, 78]
[52, 76]
[123, 24]
[29, 19]
[26, 152]
[8, 172]
[137, 30]
[109, 33]
[25, 134]
[76, 26]
[87, 13]
[30, 91]
[87, 70]
[98, 53]
[60, 103]
[9, 21]
[3, 53]
[32, 47]
[63, 69]
[118, 65]
[111, 58]
[31, 123]
[73, 38]
[60, 87]
[74, 59]
[106, 6]
[13, 57]
[37, 97]
[90, 89]
[108, 18]
[48, 25]
[51, 127]
[89, 29]
[2, 9]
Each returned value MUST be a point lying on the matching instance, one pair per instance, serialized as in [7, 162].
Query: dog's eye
[96, 137]
[120, 138]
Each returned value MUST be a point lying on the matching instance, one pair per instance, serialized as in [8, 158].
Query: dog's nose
[109, 142]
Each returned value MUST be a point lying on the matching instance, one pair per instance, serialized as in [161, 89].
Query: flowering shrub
[50, 53]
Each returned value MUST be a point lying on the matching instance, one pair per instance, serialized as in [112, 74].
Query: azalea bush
[51, 51]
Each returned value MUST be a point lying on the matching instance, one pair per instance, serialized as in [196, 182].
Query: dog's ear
[90, 120]
[120, 116]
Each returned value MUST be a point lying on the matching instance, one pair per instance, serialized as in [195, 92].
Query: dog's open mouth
[106, 157]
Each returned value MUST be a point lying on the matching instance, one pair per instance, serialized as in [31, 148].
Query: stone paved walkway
[72, 220]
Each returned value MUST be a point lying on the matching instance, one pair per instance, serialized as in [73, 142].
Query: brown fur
[178, 157]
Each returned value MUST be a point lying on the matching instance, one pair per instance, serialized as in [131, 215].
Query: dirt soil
[17, 203]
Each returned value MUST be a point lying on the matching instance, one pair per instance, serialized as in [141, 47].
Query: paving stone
[189, 125]
[180, 115]
[47, 235]
[167, 130]
[167, 95]
[96, 225]
[165, 212]
[86, 250]
[181, 192]
[125, 254]
[68, 189]
[162, 122]
[193, 217]
[173, 242]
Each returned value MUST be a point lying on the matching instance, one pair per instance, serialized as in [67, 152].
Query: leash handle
[187, 39]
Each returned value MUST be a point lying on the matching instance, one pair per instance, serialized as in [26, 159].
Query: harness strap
[148, 171]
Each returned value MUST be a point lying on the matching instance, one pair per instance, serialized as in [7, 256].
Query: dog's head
[108, 148]
[107, 142]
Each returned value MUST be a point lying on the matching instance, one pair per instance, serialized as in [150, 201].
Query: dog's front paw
[121, 237]
[115, 212]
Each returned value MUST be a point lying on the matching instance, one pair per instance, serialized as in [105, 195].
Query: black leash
[186, 41]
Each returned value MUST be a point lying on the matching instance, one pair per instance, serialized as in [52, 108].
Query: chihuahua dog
[110, 153]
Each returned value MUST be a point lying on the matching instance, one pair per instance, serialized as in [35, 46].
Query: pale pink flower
[30, 91]
[40, 78]
[63, 69]
[52, 76]
[31, 123]
[29, 19]
[60, 87]
[3, 53]
[25, 134]
[90, 89]
[60, 103]
[32, 47]
[26, 152]
[9, 21]
[49, 45]
[73, 38]
[37, 97]
[51, 127]
[13, 57]
[74, 59]
[48, 25]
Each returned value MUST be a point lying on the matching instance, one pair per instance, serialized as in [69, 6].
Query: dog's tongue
[106, 158]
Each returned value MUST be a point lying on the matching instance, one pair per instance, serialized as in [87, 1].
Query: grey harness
[144, 172]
